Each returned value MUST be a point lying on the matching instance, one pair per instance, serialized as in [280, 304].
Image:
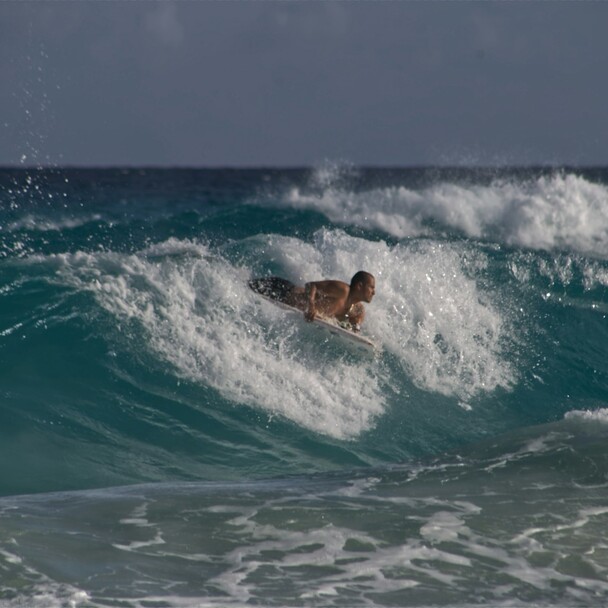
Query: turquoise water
[169, 439]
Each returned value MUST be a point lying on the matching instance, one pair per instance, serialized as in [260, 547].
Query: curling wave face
[465, 461]
[559, 211]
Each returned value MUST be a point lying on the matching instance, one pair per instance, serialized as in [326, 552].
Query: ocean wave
[286, 469]
[442, 327]
[596, 416]
[499, 520]
[560, 211]
[196, 311]
[40, 223]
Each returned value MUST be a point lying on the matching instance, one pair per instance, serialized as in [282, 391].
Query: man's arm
[310, 291]
[324, 298]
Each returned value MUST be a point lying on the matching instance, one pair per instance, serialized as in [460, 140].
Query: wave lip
[594, 416]
[561, 211]
[195, 311]
[39, 223]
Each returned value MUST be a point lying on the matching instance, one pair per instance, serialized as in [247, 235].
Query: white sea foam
[596, 416]
[427, 311]
[563, 211]
[39, 590]
[198, 314]
[40, 223]
[439, 545]
[313, 541]
[355, 561]
[441, 325]
[594, 275]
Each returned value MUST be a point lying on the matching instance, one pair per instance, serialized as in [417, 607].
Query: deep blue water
[167, 438]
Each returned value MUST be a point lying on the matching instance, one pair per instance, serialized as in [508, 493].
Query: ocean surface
[170, 439]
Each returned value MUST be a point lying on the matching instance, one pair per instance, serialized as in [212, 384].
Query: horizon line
[338, 165]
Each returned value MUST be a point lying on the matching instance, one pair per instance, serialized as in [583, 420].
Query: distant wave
[41, 223]
[599, 415]
[561, 211]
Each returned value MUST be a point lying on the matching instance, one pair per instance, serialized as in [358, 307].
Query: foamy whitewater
[169, 438]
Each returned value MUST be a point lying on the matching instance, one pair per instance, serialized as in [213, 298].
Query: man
[327, 299]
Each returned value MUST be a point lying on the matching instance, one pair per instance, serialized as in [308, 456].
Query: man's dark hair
[360, 277]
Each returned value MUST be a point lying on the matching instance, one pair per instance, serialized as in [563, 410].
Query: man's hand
[310, 314]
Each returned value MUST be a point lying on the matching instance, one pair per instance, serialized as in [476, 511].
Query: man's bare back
[325, 299]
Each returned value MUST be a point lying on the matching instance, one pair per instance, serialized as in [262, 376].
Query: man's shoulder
[331, 282]
[333, 286]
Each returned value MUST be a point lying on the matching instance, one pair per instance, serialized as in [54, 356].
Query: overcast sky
[299, 83]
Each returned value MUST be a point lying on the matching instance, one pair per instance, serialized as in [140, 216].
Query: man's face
[368, 289]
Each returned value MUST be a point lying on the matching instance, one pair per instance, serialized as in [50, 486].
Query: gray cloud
[163, 22]
[253, 83]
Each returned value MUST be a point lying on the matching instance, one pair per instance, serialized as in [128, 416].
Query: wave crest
[560, 211]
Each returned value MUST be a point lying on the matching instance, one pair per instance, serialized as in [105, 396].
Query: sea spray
[259, 460]
[560, 211]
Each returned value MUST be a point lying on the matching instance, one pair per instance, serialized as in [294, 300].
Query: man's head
[363, 286]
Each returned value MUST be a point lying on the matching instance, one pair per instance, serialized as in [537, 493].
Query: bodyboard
[328, 325]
